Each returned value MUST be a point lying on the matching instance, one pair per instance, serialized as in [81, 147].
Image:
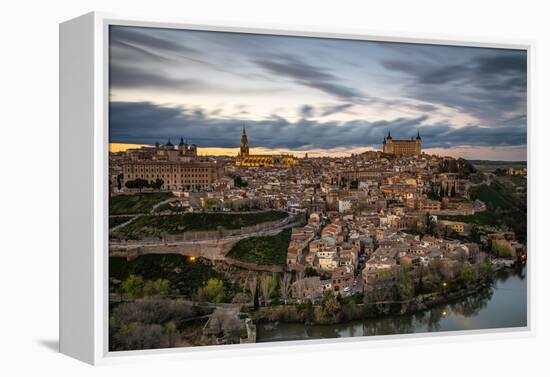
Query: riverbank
[503, 304]
[310, 314]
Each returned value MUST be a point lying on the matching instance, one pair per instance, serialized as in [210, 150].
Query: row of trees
[440, 276]
[140, 184]
[246, 204]
[259, 290]
[135, 287]
[267, 285]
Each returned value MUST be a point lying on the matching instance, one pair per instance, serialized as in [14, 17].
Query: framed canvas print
[229, 188]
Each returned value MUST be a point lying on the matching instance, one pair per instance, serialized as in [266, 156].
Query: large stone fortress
[413, 146]
[262, 160]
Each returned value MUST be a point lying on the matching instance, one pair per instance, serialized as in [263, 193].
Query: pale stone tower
[418, 143]
[388, 144]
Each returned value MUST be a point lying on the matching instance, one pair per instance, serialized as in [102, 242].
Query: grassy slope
[175, 224]
[137, 203]
[265, 250]
[114, 221]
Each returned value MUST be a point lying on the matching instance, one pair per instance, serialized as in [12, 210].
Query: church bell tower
[244, 145]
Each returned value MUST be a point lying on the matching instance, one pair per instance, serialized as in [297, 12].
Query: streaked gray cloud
[329, 110]
[486, 86]
[309, 75]
[306, 111]
[146, 123]
[132, 77]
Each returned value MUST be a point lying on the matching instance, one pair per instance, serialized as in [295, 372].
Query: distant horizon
[233, 152]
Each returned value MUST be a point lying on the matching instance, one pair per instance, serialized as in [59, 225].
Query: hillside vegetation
[266, 250]
[157, 225]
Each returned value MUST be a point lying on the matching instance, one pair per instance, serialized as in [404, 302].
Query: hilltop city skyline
[234, 152]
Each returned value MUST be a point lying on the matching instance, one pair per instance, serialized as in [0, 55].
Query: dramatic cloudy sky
[322, 96]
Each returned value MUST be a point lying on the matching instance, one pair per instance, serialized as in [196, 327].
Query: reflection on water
[504, 305]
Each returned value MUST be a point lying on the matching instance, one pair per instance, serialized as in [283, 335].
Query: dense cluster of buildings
[362, 211]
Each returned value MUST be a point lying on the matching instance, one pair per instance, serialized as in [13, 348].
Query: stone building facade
[412, 147]
[177, 175]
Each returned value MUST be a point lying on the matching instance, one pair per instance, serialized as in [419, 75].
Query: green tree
[137, 183]
[475, 236]
[238, 181]
[209, 203]
[133, 286]
[171, 333]
[267, 286]
[119, 180]
[213, 290]
[330, 305]
[502, 250]
[159, 288]
[253, 287]
[256, 300]
[157, 184]
[285, 286]
[468, 274]
[406, 285]
[499, 172]
[486, 271]
[430, 225]
[310, 271]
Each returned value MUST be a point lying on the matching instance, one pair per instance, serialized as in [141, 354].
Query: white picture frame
[84, 193]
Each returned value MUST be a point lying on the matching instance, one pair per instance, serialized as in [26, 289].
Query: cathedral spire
[244, 144]
[418, 135]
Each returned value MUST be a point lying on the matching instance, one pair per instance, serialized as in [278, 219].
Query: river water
[503, 306]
